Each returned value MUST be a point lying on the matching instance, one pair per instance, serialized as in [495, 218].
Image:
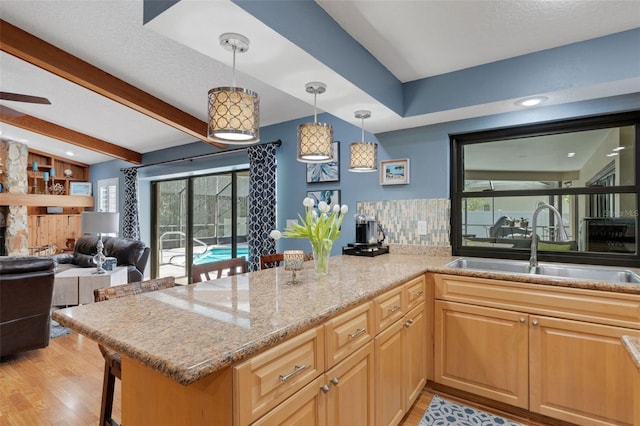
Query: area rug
[442, 412]
[57, 330]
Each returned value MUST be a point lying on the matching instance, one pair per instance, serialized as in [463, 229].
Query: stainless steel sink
[588, 273]
[494, 265]
[548, 269]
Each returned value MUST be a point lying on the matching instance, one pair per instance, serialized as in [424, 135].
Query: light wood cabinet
[45, 230]
[267, 379]
[306, 407]
[561, 347]
[347, 332]
[400, 366]
[350, 398]
[580, 372]
[399, 349]
[484, 351]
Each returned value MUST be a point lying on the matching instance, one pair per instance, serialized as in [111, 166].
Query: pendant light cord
[362, 127]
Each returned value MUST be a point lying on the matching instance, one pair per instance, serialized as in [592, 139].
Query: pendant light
[234, 112]
[363, 155]
[315, 139]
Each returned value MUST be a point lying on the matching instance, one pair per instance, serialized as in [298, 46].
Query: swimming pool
[219, 253]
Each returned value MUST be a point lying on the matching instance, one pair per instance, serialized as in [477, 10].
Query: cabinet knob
[408, 323]
[324, 388]
[535, 322]
[335, 381]
[522, 320]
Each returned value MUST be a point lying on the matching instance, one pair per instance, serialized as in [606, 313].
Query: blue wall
[427, 148]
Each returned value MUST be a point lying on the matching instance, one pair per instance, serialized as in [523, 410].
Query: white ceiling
[450, 35]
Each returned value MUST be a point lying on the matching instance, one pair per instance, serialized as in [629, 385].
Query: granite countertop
[632, 345]
[189, 332]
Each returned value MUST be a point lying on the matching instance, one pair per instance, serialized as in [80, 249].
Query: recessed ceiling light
[613, 154]
[571, 154]
[533, 101]
[620, 148]
[70, 153]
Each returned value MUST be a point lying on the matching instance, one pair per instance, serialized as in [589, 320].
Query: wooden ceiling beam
[46, 128]
[38, 52]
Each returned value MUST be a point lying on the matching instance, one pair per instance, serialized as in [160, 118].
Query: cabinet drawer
[604, 307]
[415, 290]
[389, 307]
[267, 379]
[347, 332]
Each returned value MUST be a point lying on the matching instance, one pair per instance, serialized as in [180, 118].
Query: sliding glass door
[197, 220]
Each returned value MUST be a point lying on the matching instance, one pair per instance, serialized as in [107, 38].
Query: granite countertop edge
[632, 345]
[186, 375]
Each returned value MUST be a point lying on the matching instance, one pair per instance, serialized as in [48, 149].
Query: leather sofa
[26, 290]
[130, 253]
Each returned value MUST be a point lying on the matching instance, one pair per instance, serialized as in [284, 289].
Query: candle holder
[45, 178]
[293, 261]
[34, 189]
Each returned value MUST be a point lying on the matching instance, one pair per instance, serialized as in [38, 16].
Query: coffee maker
[366, 230]
[367, 242]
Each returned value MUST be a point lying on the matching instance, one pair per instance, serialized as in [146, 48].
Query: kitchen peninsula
[186, 349]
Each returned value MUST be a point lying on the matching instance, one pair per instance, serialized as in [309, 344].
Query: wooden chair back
[213, 270]
[274, 260]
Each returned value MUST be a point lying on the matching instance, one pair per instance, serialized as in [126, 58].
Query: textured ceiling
[412, 39]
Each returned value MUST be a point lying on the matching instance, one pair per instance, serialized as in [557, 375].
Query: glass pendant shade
[314, 142]
[234, 112]
[315, 139]
[233, 115]
[363, 157]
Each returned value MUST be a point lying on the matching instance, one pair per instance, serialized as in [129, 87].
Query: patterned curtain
[262, 202]
[130, 222]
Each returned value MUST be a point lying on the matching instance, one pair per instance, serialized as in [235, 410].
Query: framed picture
[394, 172]
[329, 196]
[79, 188]
[326, 172]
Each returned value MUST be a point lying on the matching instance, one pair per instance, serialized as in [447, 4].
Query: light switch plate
[422, 227]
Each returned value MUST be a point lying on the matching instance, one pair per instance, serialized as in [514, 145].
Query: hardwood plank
[55, 386]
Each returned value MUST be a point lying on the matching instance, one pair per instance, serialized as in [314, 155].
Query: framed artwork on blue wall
[326, 172]
[329, 196]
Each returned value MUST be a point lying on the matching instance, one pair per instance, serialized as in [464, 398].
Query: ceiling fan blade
[24, 98]
[9, 112]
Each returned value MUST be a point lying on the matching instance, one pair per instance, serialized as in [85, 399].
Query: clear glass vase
[321, 253]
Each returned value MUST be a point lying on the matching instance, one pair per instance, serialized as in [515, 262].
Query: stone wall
[14, 218]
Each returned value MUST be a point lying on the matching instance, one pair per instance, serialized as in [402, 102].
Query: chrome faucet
[561, 234]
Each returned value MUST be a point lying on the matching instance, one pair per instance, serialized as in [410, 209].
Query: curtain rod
[196, 157]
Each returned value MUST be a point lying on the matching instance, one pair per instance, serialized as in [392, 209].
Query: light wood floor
[62, 385]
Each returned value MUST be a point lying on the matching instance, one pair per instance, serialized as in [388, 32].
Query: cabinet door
[350, 396]
[390, 374]
[415, 349]
[483, 351]
[305, 408]
[580, 372]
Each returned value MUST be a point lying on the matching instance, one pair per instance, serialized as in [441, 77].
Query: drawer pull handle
[296, 370]
[522, 320]
[358, 332]
[335, 381]
[324, 388]
[394, 309]
[418, 293]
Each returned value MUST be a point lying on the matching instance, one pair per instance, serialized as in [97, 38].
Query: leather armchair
[26, 290]
[130, 253]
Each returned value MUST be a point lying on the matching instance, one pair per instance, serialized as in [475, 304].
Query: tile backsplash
[399, 220]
